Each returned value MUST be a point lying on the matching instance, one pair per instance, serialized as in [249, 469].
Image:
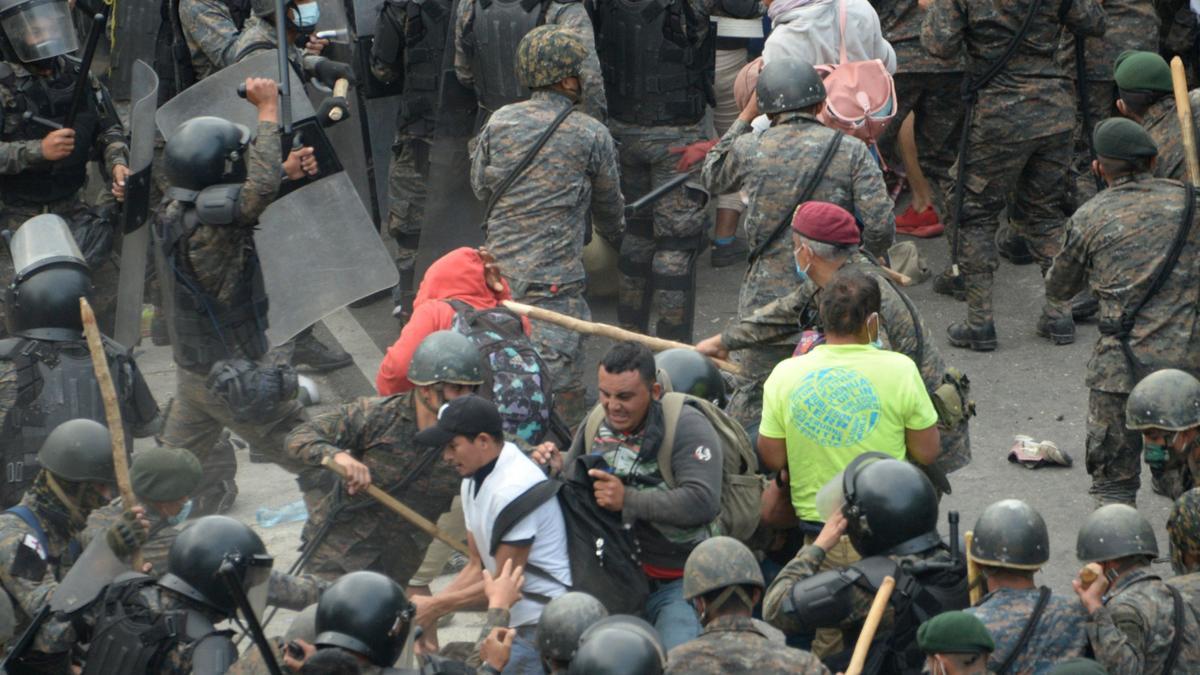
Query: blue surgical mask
[801, 272]
[307, 15]
[183, 514]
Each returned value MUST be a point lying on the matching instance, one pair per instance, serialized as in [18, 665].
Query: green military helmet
[206, 151]
[1167, 399]
[1115, 531]
[563, 621]
[164, 474]
[446, 356]
[79, 450]
[619, 645]
[1012, 534]
[721, 562]
[199, 552]
[788, 84]
[690, 372]
[1183, 528]
[890, 506]
[548, 55]
[366, 613]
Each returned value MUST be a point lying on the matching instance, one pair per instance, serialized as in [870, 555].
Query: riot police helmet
[79, 450]
[446, 356]
[689, 372]
[35, 30]
[1115, 531]
[618, 645]
[548, 55]
[1166, 399]
[206, 151]
[1011, 534]
[208, 550]
[50, 277]
[788, 84]
[890, 506]
[563, 621]
[366, 613]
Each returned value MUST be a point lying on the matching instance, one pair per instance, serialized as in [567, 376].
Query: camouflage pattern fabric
[1183, 526]
[561, 349]
[1132, 632]
[734, 644]
[1059, 635]
[745, 401]
[366, 535]
[1102, 99]
[660, 246]
[408, 173]
[935, 100]
[210, 33]
[549, 54]
[1114, 453]
[900, 21]
[1162, 123]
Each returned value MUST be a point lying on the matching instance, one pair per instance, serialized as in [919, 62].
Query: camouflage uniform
[22, 156]
[901, 328]
[365, 535]
[772, 168]
[734, 644]
[210, 31]
[1132, 632]
[536, 229]
[1020, 134]
[1183, 528]
[1162, 123]
[1059, 634]
[1114, 245]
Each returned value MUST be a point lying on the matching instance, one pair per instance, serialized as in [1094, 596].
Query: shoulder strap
[973, 85]
[1177, 639]
[842, 58]
[672, 406]
[813, 181]
[1027, 632]
[591, 427]
[523, 164]
[1129, 316]
[26, 514]
[516, 510]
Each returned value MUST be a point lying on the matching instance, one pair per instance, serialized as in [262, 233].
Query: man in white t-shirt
[470, 432]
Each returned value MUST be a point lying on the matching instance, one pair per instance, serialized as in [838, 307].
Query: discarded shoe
[911, 219]
[1031, 455]
[922, 231]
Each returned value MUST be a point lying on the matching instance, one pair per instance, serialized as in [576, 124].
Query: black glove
[126, 535]
[329, 72]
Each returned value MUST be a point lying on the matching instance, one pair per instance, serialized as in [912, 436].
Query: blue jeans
[673, 617]
[524, 658]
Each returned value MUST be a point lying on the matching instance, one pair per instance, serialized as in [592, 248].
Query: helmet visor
[256, 581]
[41, 241]
[40, 29]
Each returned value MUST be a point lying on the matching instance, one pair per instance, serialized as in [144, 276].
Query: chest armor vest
[51, 98]
[205, 330]
[426, 24]
[655, 71]
[499, 26]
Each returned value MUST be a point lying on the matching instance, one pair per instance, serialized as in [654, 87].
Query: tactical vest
[203, 329]
[656, 72]
[49, 98]
[497, 29]
[55, 383]
[424, 25]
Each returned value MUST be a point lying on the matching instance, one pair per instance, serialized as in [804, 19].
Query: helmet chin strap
[69, 502]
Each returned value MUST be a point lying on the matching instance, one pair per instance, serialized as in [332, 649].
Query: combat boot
[947, 283]
[978, 332]
[311, 352]
[1015, 250]
[981, 338]
[1084, 305]
[1058, 329]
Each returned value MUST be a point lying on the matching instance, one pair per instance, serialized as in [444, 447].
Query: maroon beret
[825, 222]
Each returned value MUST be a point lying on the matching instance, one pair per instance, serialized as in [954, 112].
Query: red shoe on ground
[921, 231]
[911, 219]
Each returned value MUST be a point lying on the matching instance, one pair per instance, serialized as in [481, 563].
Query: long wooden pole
[112, 412]
[605, 330]
[870, 626]
[976, 588]
[1183, 108]
[403, 511]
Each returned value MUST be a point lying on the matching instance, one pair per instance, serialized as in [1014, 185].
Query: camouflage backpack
[515, 378]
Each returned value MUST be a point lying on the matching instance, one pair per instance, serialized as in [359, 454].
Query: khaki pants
[452, 523]
[829, 640]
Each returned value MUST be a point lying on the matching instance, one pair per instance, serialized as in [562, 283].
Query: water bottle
[288, 513]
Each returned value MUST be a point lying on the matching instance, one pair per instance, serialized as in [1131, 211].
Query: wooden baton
[976, 589]
[878, 605]
[403, 511]
[340, 88]
[1183, 108]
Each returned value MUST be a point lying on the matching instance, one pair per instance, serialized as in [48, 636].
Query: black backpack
[603, 553]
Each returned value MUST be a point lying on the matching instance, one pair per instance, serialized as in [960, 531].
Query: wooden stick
[605, 330]
[976, 589]
[1183, 108]
[898, 277]
[112, 412]
[403, 511]
[859, 658]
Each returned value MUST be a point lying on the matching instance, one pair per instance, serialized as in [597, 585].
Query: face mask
[307, 15]
[183, 514]
[801, 272]
[877, 343]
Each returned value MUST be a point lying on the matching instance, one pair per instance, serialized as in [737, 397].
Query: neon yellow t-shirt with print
[837, 402]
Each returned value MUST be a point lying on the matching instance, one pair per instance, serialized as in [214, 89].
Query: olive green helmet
[721, 562]
[1115, 531]
[548, 55]
[563, 621]
[446, 356]
[1166, 399]
[1012, 534]
[79, 450]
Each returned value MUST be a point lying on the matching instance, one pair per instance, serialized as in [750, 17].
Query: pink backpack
[860, 96]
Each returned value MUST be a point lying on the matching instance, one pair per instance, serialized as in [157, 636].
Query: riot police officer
[617, 645]
[1032, 627]
[563, 621]
[43, 166]
[1165, 407]
[367, 614]
[689, 372]
[46, 375]
[890, 514]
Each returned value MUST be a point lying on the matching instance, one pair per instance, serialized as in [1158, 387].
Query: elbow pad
[822, 600]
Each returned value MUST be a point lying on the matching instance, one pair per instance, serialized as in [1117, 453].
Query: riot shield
[132, 281]
[134, 38]
[96, 568]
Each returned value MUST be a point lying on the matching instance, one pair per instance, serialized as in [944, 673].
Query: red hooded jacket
[457, 275]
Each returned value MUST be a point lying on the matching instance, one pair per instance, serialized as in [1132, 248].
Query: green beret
[1122, 138]
[164, 474]
[1142, 71]
[1078, 666]
[954, 633]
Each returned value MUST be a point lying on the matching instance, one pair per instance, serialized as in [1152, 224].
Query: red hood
[459, 274]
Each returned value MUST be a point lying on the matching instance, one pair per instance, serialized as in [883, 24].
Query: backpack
[602, 552]
[860, 96]
[741, 486]
[515, 377]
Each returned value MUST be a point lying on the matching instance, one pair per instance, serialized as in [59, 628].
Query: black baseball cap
[464, 416]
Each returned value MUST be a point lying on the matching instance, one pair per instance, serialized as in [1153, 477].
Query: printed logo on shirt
[834, 407]
[702, 453]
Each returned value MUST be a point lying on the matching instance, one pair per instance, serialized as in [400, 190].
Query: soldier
[44, 166]
[778, 169]
[1114, 245]
[825, 240]
[1028, 104]
[618, 645]
[1145, 96]
[367, 615]
[890, 514]
[1165, 408]
[487, 37]
[563, 621]
[535, 226]
[1138, 623]
[658, 67]
[46, 374]
[217, 32]
[1183, 526]
[37, 537]
[219, 306]
[724, 583]
[956, 643]
[374, 439]
[1032, 627]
